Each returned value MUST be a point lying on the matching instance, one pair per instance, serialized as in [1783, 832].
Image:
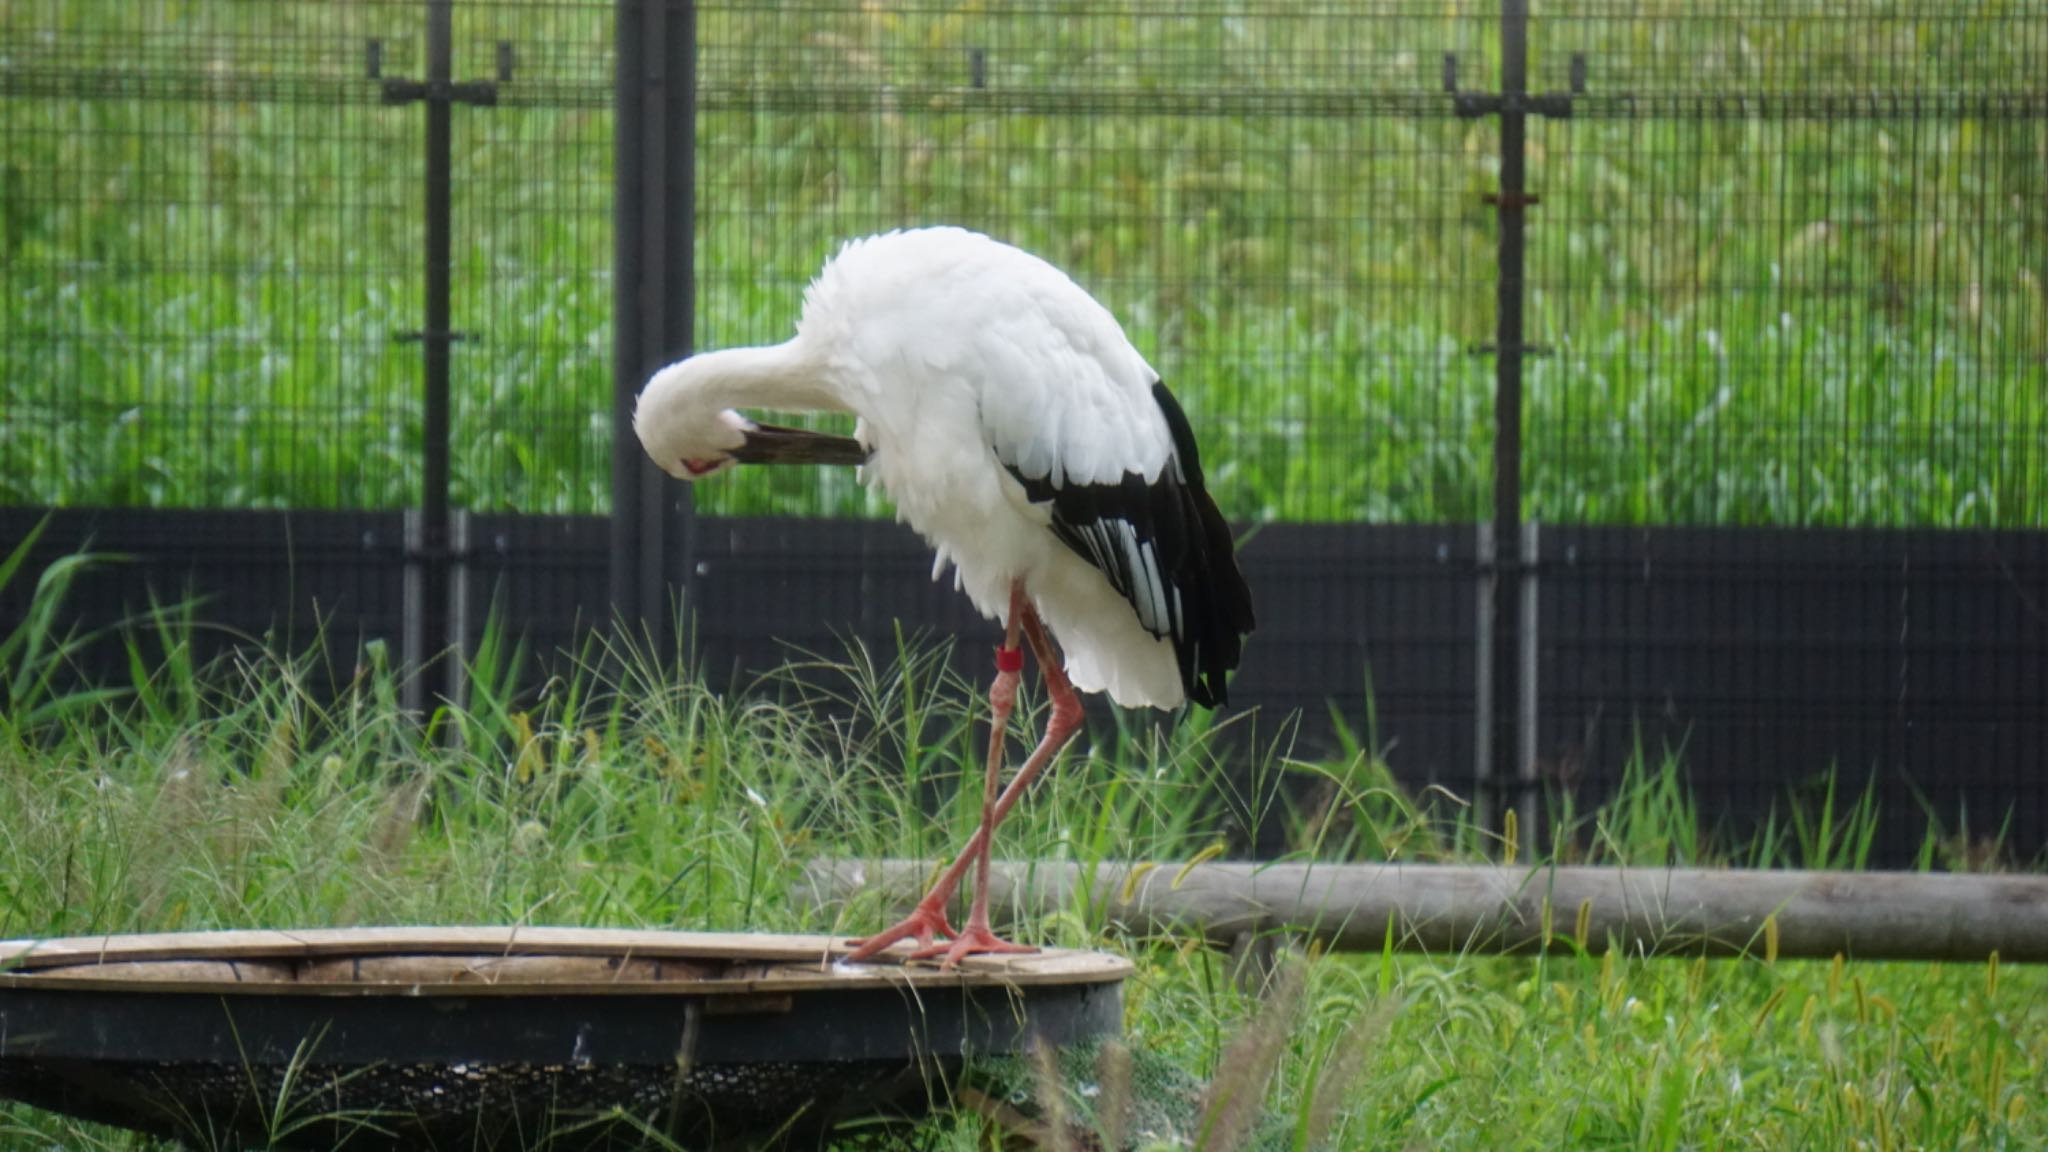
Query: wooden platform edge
[791, 963]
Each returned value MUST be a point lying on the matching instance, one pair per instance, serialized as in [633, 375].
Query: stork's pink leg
[929, 917]
[979, 937]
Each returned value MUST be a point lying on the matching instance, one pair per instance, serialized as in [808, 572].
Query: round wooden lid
[503, 960]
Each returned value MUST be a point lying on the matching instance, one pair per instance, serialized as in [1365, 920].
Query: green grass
[1828, 316]
[231, 796]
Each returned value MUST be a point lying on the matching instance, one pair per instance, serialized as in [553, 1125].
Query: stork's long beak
[773, 444]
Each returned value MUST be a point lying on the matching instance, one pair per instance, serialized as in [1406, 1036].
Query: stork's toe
[921, 926]
[973, 942]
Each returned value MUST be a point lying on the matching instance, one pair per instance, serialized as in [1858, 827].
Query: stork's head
[685, 420]
[688, 437]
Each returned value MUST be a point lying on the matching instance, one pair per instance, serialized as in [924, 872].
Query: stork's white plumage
[1015, 427]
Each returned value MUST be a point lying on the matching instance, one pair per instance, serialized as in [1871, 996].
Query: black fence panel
[772, 590]
[1911, 663]
[1373, 627]
[1346, 611]
[540, 580]
[1367, 626]
[284, 580]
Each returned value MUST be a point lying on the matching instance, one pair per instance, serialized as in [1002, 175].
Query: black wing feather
[1170, 528]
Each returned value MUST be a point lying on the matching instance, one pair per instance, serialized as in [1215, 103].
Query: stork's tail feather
[1166, 549]
[1216, 603]
[1217, 608]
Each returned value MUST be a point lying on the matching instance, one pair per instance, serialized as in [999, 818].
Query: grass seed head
[1113, 1103]
[1230, 1106]
[1354, 1046]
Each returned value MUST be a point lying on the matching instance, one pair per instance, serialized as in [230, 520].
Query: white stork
[1015, 427]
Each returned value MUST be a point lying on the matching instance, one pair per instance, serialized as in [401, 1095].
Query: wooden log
[1457, 908]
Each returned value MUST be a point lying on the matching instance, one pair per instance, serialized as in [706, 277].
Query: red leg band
[1009, 659]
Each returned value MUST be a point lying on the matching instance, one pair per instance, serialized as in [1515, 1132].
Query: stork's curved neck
[781, 376]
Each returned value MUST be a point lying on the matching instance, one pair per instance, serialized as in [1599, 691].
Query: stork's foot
[977, 940]
[925, 921]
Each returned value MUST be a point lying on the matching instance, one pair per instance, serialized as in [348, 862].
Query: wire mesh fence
[1788, 265]
[531, 378]
[1260, 193]
[213, 227]
[208, 216]
[1785, 269]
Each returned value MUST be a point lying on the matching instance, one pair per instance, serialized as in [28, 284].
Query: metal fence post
[427, 617]
[653, 278]
[1484, 777]
[1509, 204]
[435, 338]
[455, 681]
[1528, 644]
[1504, 705]
[412, 635]
[432, 615]
[627, 537]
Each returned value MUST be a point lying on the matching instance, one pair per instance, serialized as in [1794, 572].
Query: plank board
[471, 960]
